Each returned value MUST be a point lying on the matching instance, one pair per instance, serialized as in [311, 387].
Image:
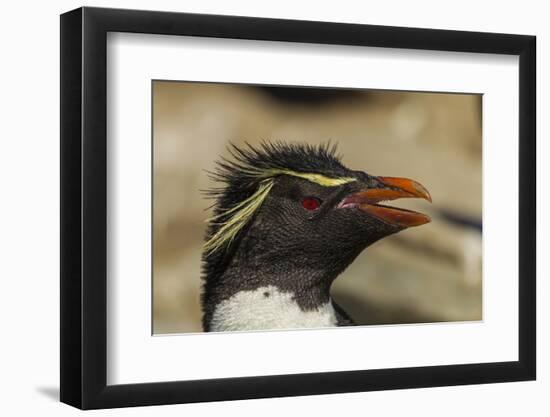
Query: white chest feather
[267, 308]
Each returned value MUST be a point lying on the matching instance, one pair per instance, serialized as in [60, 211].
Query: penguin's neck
[309, 287]
[269, 308]
[270, 297]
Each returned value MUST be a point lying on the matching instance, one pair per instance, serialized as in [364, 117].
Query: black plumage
[276, 241]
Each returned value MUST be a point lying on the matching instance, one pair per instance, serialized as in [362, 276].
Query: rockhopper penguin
[288, 219]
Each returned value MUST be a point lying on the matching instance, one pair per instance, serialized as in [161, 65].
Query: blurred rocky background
[426, 274]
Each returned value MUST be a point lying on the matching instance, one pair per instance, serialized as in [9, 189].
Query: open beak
[392, 189]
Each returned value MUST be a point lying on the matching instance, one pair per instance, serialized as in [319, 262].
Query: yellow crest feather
[320, 179]
[243, 211]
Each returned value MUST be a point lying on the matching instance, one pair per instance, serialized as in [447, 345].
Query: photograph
[304, 207]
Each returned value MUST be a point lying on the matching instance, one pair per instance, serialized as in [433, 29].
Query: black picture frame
[84, 207]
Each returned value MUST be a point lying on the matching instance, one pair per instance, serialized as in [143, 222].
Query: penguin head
[293, 204]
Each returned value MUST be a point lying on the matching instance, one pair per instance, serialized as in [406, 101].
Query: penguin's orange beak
[392, 189]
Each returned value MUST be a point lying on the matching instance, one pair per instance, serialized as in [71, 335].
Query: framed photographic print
[257, 208]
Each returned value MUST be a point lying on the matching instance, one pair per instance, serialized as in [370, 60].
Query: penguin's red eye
[311, 203]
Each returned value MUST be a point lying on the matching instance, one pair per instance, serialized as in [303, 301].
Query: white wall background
[29, 237]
